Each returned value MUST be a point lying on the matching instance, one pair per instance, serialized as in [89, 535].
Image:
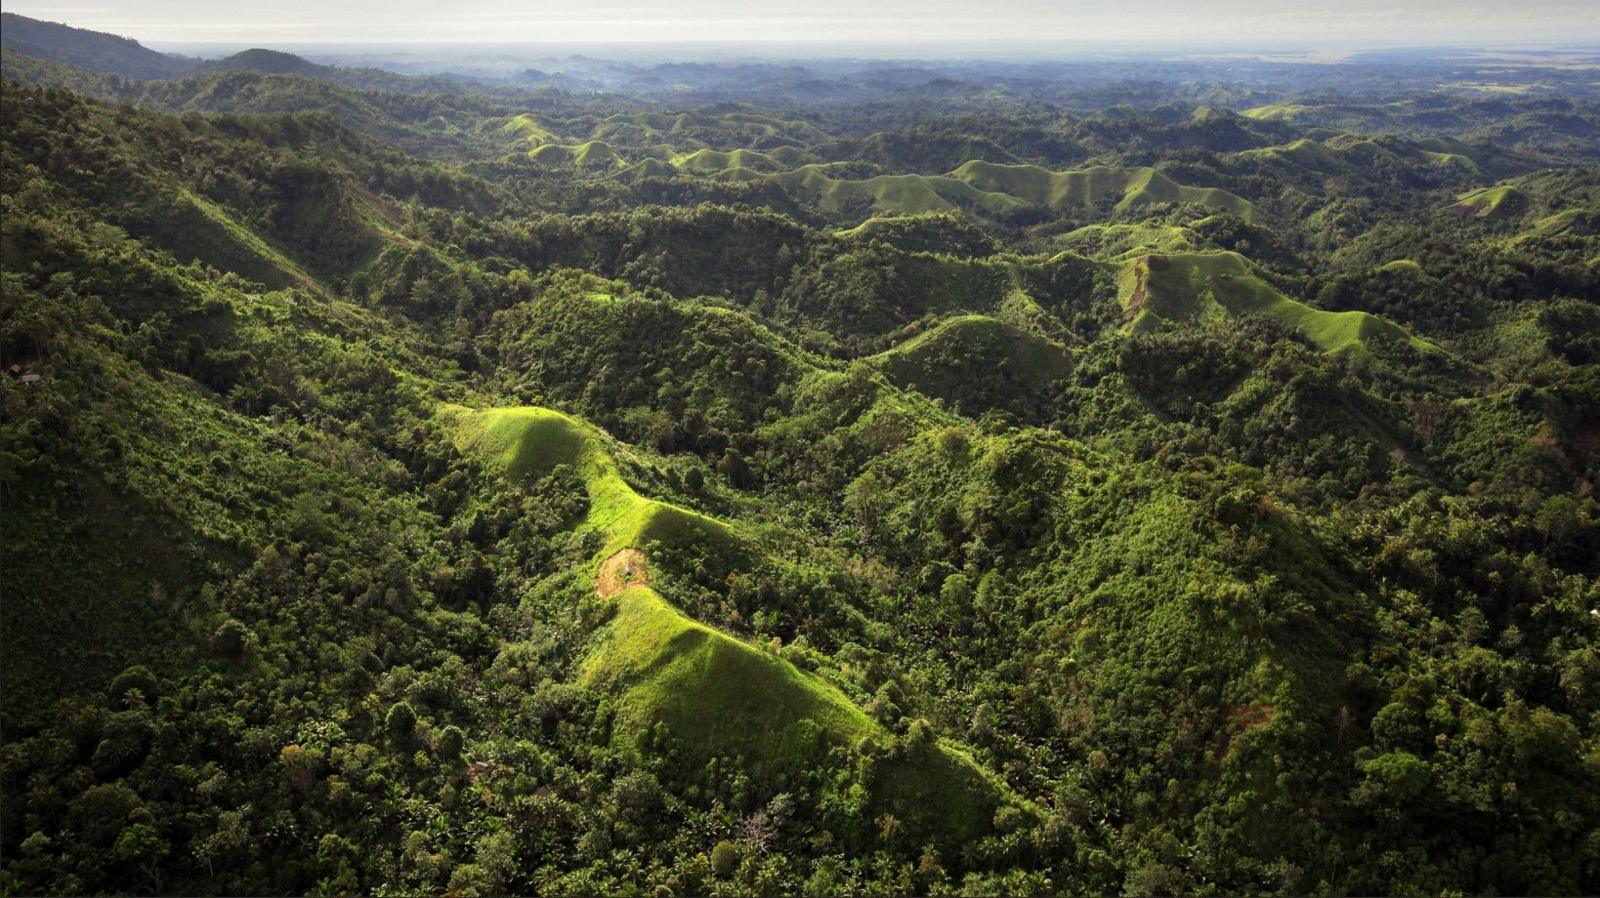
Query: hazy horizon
[886, 27]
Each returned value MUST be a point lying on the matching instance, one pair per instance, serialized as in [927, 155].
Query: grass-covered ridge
[531, 442]
[1156, 289]
[906, 194]
[716, 693]
[1096, 187]
[977, 362]
[591, 154]
[1500, 202]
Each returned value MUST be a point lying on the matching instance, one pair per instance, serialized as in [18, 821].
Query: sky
[1243, 23]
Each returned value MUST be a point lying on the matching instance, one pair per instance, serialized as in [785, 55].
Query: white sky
[1256, 23]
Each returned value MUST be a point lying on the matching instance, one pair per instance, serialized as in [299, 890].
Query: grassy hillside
[592, 154]
[529, 442]
[975, 362]
[715, 693]
[705, 161]
[894, 194]
[527, 127]
[1095, 188]
[1492, 202]
[1157, 289]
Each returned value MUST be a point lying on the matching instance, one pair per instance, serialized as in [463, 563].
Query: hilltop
[97, 51]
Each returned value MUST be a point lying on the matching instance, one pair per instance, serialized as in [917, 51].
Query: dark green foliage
[724, 859]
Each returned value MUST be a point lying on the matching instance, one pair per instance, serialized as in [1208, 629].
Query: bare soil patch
[624, 570]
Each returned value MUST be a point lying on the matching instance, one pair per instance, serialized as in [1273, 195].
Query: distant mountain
[277, 62]
[271, 62]
[92, 50]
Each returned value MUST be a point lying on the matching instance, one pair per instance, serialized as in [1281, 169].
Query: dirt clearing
[624, 570]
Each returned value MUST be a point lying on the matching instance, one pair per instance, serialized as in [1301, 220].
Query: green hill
[1095, 188]
[717, 694]
[524, 442]
[1197, 286]
[894, 194]
[1305, 153]
[977, 362]
[93, 50]
[1042, 528]
[714, 161]
[527, 127]
[593, 155]
[647, 168]
[1501, 202]
[1273, 112]
[1114, 240]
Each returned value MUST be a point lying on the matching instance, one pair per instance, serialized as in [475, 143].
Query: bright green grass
[1504, 201]
[1120, 240]
[647, 168]
[1019, 310]
[894, 194]
[926, 359]
[528, 128]
[1001, 190]
[738, 174]
[252, 243]
[1304, 153]
[1451, 159]
[1095, 187]
[714, 691]
[714, 161]
[753, 127]
[1197, 286]
[1407, 265]
[530, 442]
[594, 154]
[1276, 112]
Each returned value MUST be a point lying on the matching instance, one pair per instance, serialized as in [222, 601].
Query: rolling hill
[719, 695]
[96, 51]
[1095, 188]
[1158, 289]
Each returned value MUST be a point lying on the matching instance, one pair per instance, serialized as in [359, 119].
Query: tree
[231, 639]
[724, 859]
[451, 741]
[141, 844]
[401, 722]
[734, 469]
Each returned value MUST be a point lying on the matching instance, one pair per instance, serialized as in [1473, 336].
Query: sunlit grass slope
[976, 360]
[715, 693]
[594, 154]
[528, 128]
[531, 442]
[713, 161]
[1194, 286]
[1493, 202]
[1095, 187]
[894, 194]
